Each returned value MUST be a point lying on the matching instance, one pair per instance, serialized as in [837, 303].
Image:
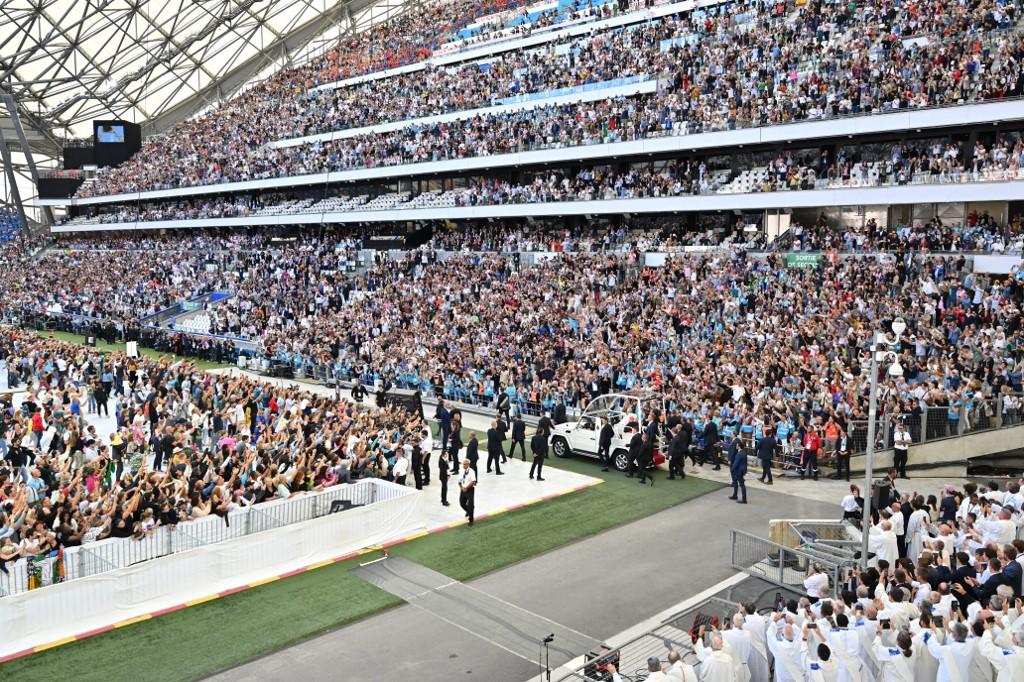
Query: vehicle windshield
[611, 407]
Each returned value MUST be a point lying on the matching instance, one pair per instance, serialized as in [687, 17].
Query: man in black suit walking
[677, 448]
[544, 425]
[737, 458]
[710, 453]
[518, 436]
[539, 447]
[494, 451]
[635, 443]
[645, 457]
[504, 405]
[604, 444]
[473, 452]
[765, 449]
[455, 444]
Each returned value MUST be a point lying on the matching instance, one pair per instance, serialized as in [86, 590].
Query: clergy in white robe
[845, 646]
[865, 624]
[1003, 652]
[882, 543]
[895, 664]
[925, 667]
[818, 665]
[757, 626]
[677, 670]
[738, 645]
[955, 656]
[715, 664]
[784, 645]
[917, 533]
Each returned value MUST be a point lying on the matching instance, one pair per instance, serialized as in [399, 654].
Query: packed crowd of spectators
[937, 162]
[741, 66]
[186, 444]
[743, 340]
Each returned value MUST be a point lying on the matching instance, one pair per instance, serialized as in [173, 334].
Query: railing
[597, 195]
[673, 129]
[936, 423]
[674, 633]
[114, 553]
[782, 565]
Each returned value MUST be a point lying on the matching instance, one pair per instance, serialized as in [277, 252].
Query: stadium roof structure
[64, 63]
[154, 62]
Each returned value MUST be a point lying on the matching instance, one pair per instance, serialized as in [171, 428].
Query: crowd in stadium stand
[589, 322]
[741, 67]
[187, 444]
[936, 162]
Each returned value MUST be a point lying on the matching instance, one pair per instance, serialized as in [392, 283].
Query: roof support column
[20, 132]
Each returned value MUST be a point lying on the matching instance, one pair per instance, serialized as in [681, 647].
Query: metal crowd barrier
[936, 423]
[672, 634]
[114, 553]
[785, 566]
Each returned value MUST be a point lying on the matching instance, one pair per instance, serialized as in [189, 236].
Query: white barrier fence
[119, 581]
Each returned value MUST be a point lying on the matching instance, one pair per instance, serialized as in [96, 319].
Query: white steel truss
[67, 62]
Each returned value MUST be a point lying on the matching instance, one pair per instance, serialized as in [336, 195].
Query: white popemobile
[626, 413]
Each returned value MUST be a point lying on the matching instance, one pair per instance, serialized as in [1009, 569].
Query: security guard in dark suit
[539, 446]
[417, 466]
[765, 449]
[677, 452]
[473, 452]
[710, 452]
[633, 453]
[737, 457]
[645, 457]
[455, 445]
[442, 475]
[494, 451]
[518, 436]
[604, 444]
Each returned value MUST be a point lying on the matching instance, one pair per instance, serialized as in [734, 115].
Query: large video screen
[110, 133]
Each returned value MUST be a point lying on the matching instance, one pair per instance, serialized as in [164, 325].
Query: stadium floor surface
[598, 586]
[216, 635]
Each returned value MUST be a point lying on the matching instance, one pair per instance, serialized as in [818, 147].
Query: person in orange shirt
[831, 432]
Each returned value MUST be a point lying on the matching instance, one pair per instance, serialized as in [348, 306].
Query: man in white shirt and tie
[467, 490]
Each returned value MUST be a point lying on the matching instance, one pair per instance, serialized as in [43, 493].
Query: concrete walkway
[599, 587]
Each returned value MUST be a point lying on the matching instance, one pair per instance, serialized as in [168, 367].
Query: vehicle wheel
[560, 447]
[620, 458]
